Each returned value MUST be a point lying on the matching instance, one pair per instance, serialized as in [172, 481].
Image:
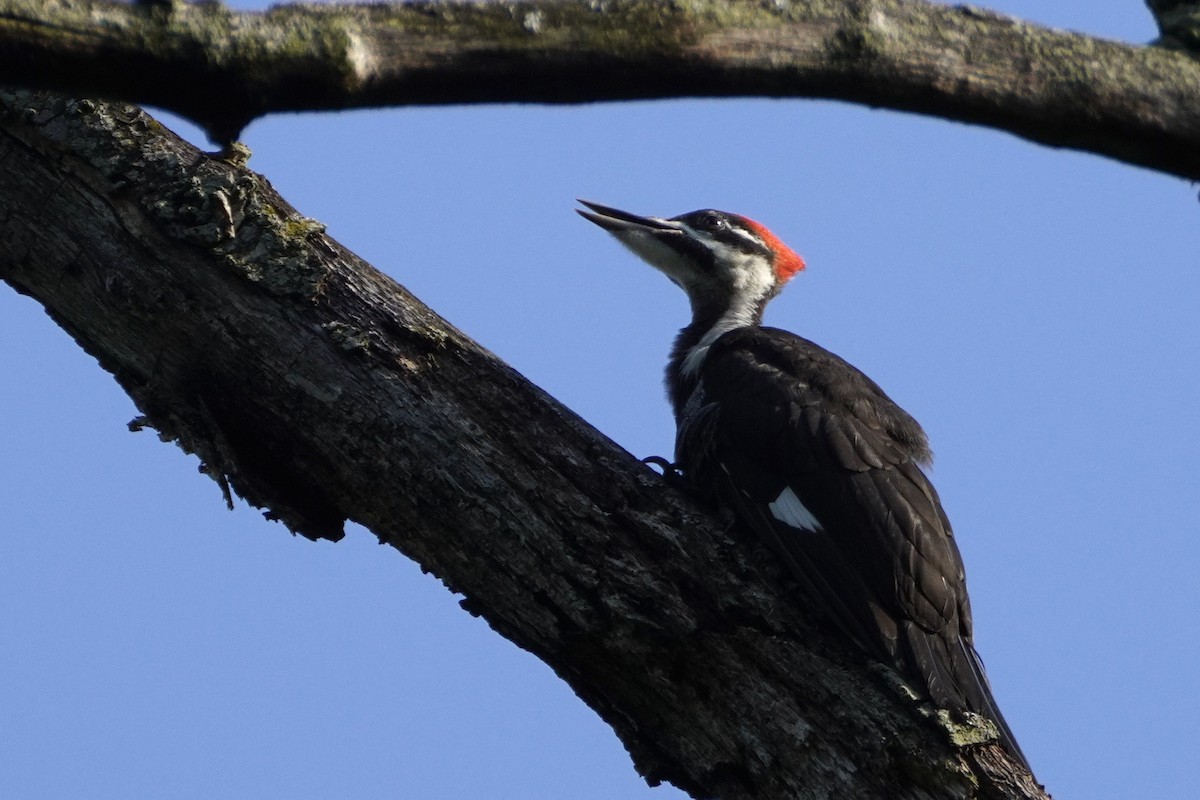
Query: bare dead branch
[320, 390]
[222, 69]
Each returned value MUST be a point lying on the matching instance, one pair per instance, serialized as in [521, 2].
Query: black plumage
[768, 411]
[812, 456]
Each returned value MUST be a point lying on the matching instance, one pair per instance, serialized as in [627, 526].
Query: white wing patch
[788, 509]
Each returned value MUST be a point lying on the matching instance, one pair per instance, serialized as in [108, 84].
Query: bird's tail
[954, 677]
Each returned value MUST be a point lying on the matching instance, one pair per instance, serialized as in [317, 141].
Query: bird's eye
[715, 223]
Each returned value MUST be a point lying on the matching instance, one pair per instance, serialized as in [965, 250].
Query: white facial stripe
[753, 276]
[749, 237]
[706, 235]
[788, 509]
[753, 280]
[739, 315]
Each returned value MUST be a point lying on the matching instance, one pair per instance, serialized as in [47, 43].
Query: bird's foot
[670, 472]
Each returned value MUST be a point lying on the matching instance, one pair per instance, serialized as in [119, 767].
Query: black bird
[811, 455]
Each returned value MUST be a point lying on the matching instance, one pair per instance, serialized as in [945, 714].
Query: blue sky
[1037, 310]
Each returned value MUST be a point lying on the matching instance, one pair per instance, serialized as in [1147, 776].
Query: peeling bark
[320, 390]
[222, 69]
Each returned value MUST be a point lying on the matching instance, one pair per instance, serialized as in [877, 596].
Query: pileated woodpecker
[811, 455]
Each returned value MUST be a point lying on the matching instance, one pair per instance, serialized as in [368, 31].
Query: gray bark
[320, 390]
[222, 69]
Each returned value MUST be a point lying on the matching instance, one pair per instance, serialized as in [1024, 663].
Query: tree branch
[222, 69]
[319, 389]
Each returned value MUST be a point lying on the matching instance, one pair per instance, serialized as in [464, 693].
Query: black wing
[826, 469]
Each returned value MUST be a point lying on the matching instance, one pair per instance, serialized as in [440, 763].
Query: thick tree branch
[223, 69]
[320, 390]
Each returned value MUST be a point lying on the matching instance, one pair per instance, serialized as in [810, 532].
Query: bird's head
[714, 256]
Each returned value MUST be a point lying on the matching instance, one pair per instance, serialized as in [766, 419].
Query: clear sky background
[1037, 310]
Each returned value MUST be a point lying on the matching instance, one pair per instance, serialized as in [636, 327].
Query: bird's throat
[709, 323]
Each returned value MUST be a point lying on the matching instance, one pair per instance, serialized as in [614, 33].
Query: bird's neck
[710, 321]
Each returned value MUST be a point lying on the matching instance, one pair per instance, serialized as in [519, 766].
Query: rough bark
[222, 69]
[317, 388]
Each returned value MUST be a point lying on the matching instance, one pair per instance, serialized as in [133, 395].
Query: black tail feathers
[952, 673]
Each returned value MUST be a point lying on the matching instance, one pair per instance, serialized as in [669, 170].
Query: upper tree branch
[223, 69]
[318, 388]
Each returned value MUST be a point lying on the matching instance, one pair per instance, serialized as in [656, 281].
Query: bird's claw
[670, 471]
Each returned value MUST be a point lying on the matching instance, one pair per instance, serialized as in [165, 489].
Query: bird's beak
[617, 222]
[659, 242]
